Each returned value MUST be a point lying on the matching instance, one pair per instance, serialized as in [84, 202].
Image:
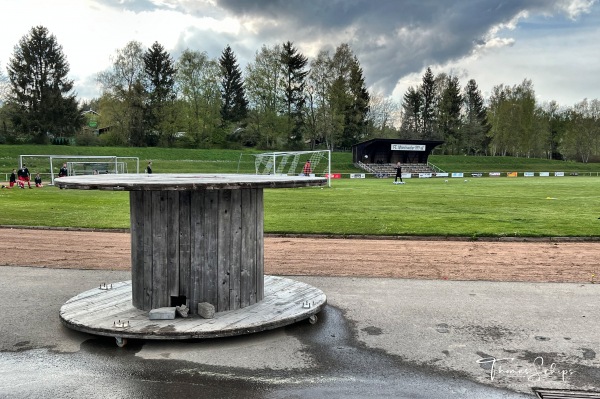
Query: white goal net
[79, 164]
[294, 163]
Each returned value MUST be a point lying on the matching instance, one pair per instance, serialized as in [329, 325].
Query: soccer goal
[292, 163]
[79, 164]
[76, 168]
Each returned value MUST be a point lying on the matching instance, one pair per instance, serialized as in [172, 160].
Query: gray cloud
[390, 38]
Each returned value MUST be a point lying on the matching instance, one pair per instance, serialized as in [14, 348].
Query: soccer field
[471, 207]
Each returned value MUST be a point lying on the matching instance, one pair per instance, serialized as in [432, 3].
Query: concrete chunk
[182, 310]
[206, 310]
[162, 314]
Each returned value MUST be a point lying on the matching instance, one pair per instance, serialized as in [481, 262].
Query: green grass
[458, 163]
[527, 207]
[480, 207]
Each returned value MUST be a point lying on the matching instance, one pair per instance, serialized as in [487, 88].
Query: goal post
[79, 164]
[291, 163]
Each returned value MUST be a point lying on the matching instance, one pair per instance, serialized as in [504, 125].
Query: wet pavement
[377, 338]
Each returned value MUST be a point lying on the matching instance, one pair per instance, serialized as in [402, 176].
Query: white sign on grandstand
[292, 163]
[81, 164]
[408, 147]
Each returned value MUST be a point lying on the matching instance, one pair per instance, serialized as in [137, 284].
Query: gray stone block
[162, 314]
[182, 310]
[206, 310]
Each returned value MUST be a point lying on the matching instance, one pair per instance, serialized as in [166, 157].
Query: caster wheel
[313, 319]
[121, 342]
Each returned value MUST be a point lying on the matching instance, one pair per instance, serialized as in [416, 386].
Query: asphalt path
[376, 338]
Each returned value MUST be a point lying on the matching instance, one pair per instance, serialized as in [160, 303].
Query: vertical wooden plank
[160, 297]
[147, 245]
[172, 215]
[248, 264]
[210, 266]
[197, 248]
[236, 249]
[260, 257]
[252, 248]
[223, 249]
[185, 245]
[136, 216]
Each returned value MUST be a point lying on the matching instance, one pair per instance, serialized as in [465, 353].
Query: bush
[87, 139]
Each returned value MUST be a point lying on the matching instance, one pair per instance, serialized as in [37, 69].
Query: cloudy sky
[555, 43]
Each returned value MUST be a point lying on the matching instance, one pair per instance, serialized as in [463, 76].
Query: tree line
[280, 101]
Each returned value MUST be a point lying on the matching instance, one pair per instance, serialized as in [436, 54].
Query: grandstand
[379, 156]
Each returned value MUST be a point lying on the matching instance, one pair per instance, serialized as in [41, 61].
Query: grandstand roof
[393, 150]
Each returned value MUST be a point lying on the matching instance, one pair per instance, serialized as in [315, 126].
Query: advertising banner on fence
[511, 174]
[425, 175]
[528, 174]
[443, 174]
[333, 175]
[544, 174]
[456, 174]
[357, 175]
[560, 174]
[494, 174]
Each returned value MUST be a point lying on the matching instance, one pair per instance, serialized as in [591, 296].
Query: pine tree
[294, 80]
[356, 114]
[235, 104]
[412, 104]
[475, 126]
[41, 95]
[449, 108]
[160, 76]
[428, 110]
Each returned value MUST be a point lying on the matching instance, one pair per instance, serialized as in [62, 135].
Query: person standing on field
[149, 168]
[307, 170]
[398, 173]
[24, 176]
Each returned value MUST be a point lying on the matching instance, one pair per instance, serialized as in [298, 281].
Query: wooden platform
[110, 312]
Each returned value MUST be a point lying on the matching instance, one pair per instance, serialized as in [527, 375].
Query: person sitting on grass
[38, 181]
[13, 180]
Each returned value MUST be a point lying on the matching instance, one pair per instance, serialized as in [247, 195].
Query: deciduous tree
[198, 81]
[265, 90]
[124, 96]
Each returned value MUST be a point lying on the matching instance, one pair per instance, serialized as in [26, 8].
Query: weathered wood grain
[184, 181]
[95, 311]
